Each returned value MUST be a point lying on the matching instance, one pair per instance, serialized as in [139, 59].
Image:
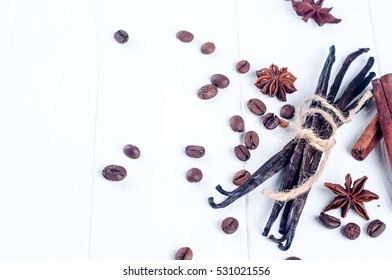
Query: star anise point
[309, 9]
[352, 195]
[275, 82]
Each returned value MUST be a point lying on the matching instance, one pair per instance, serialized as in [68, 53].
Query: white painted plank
[52, 57]
[381, 22]
[147, 97]
[49, 69]
[303, 47]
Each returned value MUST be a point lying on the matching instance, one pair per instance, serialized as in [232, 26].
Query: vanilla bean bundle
[299, 159]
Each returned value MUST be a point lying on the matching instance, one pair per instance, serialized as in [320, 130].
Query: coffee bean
[287, 111]
[237, 123]
[207, 92]
[242, 152]
[131, 151]
[121, 36]
[195, 151]
[242, 66]
[375, 228]
[194, 175]
[229, 225]
[184, 36]
[184, 253]
[251, 139]
[293, 258]
[240, 177]
[256, 106]
[270, 121]
[220, 81]
[329, 221]
[114, 172]
[207, 48]
[352, 231]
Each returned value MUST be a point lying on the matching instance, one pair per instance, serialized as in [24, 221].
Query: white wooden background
[72, 97]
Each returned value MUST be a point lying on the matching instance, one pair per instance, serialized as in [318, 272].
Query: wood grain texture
[73, 97]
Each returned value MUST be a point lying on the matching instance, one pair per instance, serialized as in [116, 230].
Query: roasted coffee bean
[293, 258]
[207, 48]
[131, 151]
[240, 177]
[194, 175]
[237, 123]
[121, 36]
[207, 92]
[220, 81]
[242, 66]
[114, 172]
[184, 253]
[287, 111]
[375, 228]
[242, 152]
[184, 36]
[352, 231]
[251, 139]
[329, 221]
[256, 106]
[195, 151]
[230, 225]
[270, 121]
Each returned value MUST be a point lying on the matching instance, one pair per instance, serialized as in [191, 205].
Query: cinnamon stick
[382, 89]
[368, 140]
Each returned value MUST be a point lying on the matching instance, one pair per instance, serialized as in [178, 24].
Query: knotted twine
[323, 145]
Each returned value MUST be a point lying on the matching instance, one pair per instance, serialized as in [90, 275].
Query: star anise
[349, 196]
[275, 81]
[309, 9]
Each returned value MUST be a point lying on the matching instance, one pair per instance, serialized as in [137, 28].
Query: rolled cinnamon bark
[382, 89]
[368, 140]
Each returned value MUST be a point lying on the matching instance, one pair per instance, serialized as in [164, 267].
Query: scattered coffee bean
[293, 258]
[287, 111]
[230, 225]
[251, 139]
[194, 175]
[237, 123]
[242, 66]
[329, 221]
[184, 253]
[207, 48]
[242, 152]
[121, 36]
[352, 231]
[207, 92]
[270, 121]
[195, 151]
[375, 228]
[184, 36]
[240, 177]
[114, 172]
[131, 151]
[256, 106]
[220, 81]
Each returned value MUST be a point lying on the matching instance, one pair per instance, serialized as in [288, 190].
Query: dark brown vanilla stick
[339, 76]
[310, 162]
[382, 89]
[368, 140]
[272, 166]
[291, 173]
[278, 162]
[299, 159]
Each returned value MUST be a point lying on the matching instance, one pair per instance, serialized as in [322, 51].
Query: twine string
[323, 145]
